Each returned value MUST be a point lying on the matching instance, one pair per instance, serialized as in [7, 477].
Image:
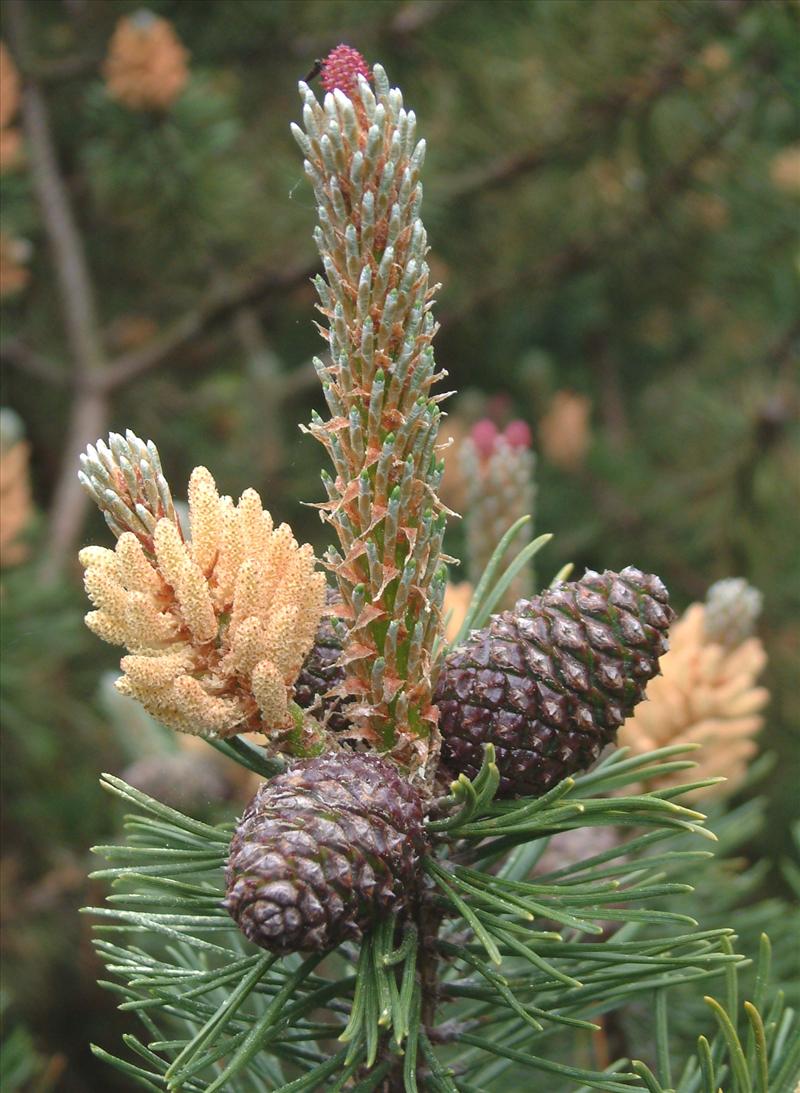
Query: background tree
[612, 194]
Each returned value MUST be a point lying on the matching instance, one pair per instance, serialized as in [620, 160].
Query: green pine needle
[485, 584]
[520, 956]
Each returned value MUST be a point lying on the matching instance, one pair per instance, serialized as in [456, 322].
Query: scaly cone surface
[318, 685]
[323, 851]
[550, 682]
[364, 163]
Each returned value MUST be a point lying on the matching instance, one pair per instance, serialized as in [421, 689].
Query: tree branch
[91, 377]
[25, 359]
[298, 380]
[89, 409]
[218, 305]
[67, 68]
[584, 254]
[631, 101]
[782, 355]
[639, 93]
[75, 287]
[400, 24]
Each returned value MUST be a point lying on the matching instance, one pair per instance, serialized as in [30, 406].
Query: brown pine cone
[550, 682]
[323, 851]
[321, 674]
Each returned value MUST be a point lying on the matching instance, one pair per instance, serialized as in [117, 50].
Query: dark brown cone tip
[550, 682]
[321, 675]
[323, 851]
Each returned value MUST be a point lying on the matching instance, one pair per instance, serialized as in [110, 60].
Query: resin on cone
[323, 852]
[550, 682]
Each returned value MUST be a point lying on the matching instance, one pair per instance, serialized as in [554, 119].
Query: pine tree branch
[69, 67]
[413, 16]
[583, 255]
[89, 409]
[640, 92]
[93, 380]
[217, 306]
[220, 305]
[783, 354]
[629, 102]
[72, 271]
[18, 355]
[402, 22]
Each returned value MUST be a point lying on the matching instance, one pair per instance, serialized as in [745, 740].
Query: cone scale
[323, 852]
[550, 682]
[317, 689]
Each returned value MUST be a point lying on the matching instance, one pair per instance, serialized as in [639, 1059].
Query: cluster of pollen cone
[230, 626]
[146, 67]
[217, 626]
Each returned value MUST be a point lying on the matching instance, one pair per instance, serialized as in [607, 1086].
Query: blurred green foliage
[612, 198]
